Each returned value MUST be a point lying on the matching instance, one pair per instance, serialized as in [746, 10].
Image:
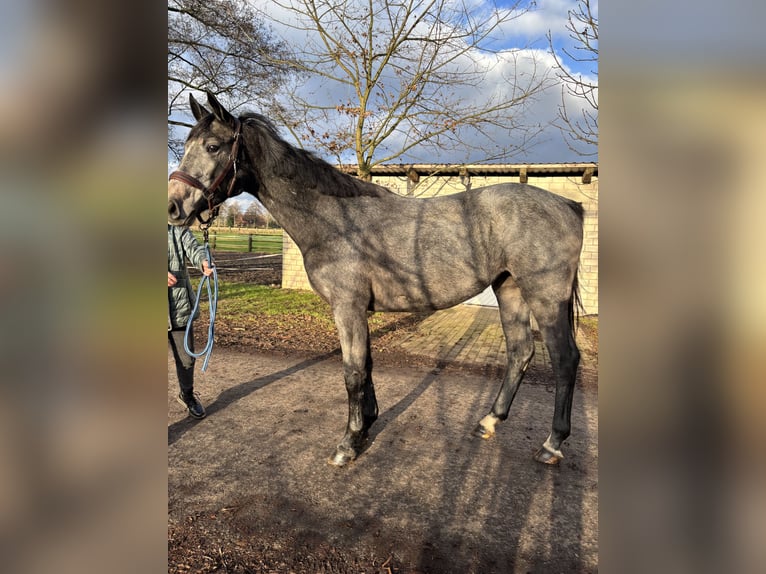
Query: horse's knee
[358, 383]
[353, 377]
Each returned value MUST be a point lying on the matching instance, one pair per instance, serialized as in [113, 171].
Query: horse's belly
[418, 296]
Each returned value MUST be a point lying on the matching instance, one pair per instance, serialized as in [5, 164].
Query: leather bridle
[209, 192]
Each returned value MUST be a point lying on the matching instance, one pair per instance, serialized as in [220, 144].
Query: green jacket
[182, 245]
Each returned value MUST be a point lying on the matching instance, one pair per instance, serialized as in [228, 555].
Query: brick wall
[294, 274]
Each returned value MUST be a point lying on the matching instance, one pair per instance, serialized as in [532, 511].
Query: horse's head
[207, 174]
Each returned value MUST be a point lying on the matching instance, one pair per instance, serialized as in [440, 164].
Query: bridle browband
[209, 192]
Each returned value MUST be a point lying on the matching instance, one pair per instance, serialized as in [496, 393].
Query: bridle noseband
[209, 192]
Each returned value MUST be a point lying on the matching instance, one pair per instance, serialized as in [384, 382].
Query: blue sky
[551, 16]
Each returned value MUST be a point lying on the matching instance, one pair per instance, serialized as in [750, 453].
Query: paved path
[466, 334]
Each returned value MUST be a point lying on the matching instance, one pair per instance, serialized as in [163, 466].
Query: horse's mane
[302, 167]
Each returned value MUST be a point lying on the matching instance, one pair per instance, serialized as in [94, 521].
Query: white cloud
[544, 16]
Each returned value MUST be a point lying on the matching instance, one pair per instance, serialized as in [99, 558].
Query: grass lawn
[239, 300]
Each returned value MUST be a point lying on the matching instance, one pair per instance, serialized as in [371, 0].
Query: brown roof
[532, 169]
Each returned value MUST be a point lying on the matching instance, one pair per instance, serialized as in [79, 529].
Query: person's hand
[207, 271]
[171, 279]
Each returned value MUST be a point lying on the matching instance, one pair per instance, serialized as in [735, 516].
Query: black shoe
[192, 403]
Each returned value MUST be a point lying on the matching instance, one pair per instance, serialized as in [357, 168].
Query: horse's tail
[577, 207]
[576, 308]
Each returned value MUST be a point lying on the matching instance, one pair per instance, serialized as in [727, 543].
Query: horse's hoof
[545, 456]
[483, 432]
[340, 459]
[486, 427]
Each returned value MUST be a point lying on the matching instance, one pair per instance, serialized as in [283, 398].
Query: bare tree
[255, 215]
[388, 76]
[228, 213]
[580, 127]
[221, 46]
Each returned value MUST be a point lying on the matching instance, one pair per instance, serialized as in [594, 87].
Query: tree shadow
[529, 502]
[445, 357]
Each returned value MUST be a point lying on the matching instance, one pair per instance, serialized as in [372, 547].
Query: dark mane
[300, 166]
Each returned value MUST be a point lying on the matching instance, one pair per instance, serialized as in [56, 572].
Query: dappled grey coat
[182, 245]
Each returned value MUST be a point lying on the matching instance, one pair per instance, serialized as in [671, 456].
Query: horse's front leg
[357, 373]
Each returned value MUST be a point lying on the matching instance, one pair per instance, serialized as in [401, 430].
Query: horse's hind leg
[558, 334]
[357, 373]
[514, 316]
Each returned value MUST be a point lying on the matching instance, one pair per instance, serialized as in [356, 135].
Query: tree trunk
[364, 172]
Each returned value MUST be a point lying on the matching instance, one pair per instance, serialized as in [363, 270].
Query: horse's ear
[198, 110]
[221, 114]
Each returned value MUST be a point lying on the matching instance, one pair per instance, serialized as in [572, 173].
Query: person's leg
[185, 371]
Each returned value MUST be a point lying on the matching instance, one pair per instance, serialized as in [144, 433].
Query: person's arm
[195, 252]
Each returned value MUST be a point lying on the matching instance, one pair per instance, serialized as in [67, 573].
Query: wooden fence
[244, 240]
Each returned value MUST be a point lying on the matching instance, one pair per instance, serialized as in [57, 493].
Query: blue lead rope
[212, 297]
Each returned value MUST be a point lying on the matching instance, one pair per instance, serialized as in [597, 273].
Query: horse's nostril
[174, 209]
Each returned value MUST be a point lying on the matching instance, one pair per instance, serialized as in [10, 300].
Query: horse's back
[524, 217]
[519, 198]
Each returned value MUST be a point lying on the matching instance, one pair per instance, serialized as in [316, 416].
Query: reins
[212, 297]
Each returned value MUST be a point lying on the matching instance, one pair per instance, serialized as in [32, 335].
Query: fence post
[215, 233]
[249, 242]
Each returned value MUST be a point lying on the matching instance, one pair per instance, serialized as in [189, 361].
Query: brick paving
[469, 334]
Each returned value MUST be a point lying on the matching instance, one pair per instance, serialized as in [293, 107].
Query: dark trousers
[184, 361]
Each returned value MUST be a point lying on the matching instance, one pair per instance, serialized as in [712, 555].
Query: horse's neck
[294, 210]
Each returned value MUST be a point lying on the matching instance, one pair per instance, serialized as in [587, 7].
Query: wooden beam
[465, 177]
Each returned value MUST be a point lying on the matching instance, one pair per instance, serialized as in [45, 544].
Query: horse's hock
[576, 181]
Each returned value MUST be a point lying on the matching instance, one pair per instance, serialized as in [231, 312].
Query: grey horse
[367, 248]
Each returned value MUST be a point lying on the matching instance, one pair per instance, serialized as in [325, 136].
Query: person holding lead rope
[183, 246]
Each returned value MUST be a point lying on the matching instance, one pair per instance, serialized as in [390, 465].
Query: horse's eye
[212, 148]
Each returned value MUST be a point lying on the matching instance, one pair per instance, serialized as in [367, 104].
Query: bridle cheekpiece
[209, 192]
